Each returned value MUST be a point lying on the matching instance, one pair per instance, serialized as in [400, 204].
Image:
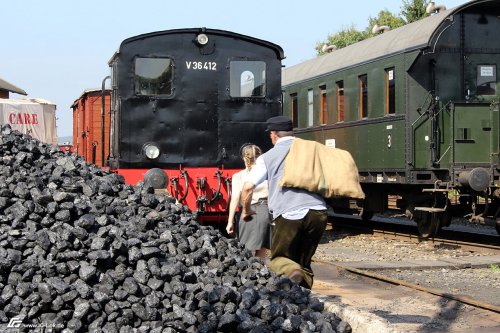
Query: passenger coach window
[153, 76]
[340, 101]
[310, 108]
[390, 91]
[295, 110]
[363, 96]
[486, 80]
[247, 79]
[323, 106]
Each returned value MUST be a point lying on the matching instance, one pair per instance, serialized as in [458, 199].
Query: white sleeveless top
[260, 191]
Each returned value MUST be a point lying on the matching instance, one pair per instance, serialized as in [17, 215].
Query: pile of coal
[81, 251]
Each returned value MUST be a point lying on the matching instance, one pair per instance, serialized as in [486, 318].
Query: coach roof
[412, 36]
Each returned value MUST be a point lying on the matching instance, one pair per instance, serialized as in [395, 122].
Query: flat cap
[279, 123]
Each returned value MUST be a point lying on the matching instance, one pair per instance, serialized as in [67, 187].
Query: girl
[254, 234]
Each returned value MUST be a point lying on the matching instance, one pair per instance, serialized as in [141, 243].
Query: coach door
[473, 135]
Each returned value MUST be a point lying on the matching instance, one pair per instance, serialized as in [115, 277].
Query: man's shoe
[296, 276]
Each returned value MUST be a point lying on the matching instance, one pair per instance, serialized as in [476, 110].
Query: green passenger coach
[417, 107]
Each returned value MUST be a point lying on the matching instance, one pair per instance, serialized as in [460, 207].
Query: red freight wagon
[88, 133]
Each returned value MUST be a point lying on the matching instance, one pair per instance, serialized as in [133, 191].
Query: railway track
[434, 291]
[400, 278]
[407, 230]
[372, 302]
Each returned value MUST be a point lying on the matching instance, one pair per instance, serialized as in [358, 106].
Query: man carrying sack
[299, 215]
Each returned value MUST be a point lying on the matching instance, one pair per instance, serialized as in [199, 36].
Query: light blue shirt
[258, 174]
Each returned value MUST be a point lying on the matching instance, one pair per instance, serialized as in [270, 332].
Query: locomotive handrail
[175, 181]
[217, 192]
[201, 200]
[229, 192]
[184, 174]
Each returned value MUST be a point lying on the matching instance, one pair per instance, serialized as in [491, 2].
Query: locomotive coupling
[477, 179]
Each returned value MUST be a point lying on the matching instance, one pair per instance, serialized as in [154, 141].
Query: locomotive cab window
[153, 76]
[486, 83]
[247, 79]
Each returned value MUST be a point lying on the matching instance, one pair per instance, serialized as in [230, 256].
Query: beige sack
[317, 168]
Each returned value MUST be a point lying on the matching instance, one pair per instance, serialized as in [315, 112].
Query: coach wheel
[497, 226]
[428, 224]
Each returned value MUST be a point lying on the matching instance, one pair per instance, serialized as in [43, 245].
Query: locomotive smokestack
[433, 8]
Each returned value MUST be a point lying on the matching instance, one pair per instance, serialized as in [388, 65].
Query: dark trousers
[295, 242]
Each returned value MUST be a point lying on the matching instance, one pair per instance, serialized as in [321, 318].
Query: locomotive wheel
[428, 225]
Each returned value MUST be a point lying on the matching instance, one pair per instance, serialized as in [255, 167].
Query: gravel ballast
[482, 283]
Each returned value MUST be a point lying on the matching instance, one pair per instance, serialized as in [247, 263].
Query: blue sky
[55, 49]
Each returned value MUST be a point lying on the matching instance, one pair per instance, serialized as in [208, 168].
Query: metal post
[103, 115]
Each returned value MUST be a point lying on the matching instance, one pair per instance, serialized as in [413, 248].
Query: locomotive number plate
[201, 65]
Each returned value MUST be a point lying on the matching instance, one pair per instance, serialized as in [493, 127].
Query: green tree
[414, 10]
[384, 18]
[343, 38]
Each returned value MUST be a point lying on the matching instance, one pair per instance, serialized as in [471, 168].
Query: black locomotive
[183, 102]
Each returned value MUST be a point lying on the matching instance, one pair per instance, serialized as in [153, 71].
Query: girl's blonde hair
[249, 154]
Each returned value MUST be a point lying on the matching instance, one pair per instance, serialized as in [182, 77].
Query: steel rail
[437, 292]
[416, 238]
